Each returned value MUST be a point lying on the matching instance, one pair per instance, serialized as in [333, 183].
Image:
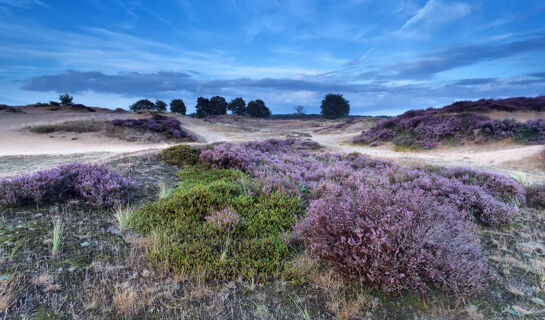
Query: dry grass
[10, 290]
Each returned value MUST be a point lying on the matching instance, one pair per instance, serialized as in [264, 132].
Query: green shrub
[182, 155]
[182, 238]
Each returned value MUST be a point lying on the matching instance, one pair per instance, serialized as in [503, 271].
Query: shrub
[94, 183]
[335, 106]
[189, 238]
[535, 196]
[393, 241]
[258, 109]
[177, 106]
[182, 155]
[237, 106]
[157, 123]
[66, 99]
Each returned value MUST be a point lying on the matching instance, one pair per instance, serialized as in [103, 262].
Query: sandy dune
[21, 150]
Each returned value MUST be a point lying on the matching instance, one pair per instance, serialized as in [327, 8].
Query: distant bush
[177, 106]
[94, 183]
[182, 155]
[54, 103]
[66, 99]
[238, 106]
[157, 123]
[212, 227]
[393, 241]
[258, 109]
[335, 106]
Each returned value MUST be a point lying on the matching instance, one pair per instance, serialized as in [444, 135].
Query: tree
[335, 106]
[66, 99]
[217, 106]
[299, 110]
[258, 109]
[160, 105]
[177, 106]
[237, 106]
[202, 107]
[143, 104]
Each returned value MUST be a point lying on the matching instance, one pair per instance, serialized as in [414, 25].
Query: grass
[163, 191]
[122, 215]
[57, 236]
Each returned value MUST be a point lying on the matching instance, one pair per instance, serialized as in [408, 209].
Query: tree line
[333, 106]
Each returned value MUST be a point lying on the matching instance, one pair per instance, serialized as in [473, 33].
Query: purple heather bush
[157, 123]
[94, 183]
[393, 241]
[224, 220]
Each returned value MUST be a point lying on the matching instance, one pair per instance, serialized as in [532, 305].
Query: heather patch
[393, 241]
[216, 225]
[169, 126]
[93, 183]
[391, 226]
[457, 123]
[292, 165]
[535, 195]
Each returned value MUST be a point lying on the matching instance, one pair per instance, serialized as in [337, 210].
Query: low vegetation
[392, 227]
[215, 225]
[157, 123]
[93, 183]
[458, 123]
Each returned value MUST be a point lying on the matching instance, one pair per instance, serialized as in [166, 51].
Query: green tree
[177, 106]
[238, 106]
[66, 99]
[299, 110]
[335, 106]
[258, 109]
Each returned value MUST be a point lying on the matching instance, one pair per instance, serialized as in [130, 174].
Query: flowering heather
[428, 128]
[291, 165]
[393, 241]
[224, 220]
[94, 183]
[157, 123]
[488, 105]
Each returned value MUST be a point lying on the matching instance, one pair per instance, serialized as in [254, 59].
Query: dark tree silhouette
[160, 105]
[258, 109]
[143, 104]
[335, 106]
[238, 106]
[177, 106]
[66, 99]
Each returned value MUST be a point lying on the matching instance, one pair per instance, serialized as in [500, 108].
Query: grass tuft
[57, 236]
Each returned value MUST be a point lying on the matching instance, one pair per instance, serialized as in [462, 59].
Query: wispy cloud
[432, 14]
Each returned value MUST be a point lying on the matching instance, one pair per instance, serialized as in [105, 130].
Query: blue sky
[385, 56]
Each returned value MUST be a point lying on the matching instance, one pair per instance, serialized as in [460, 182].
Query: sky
[384, 56]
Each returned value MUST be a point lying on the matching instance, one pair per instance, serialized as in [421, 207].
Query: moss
[254, 249]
